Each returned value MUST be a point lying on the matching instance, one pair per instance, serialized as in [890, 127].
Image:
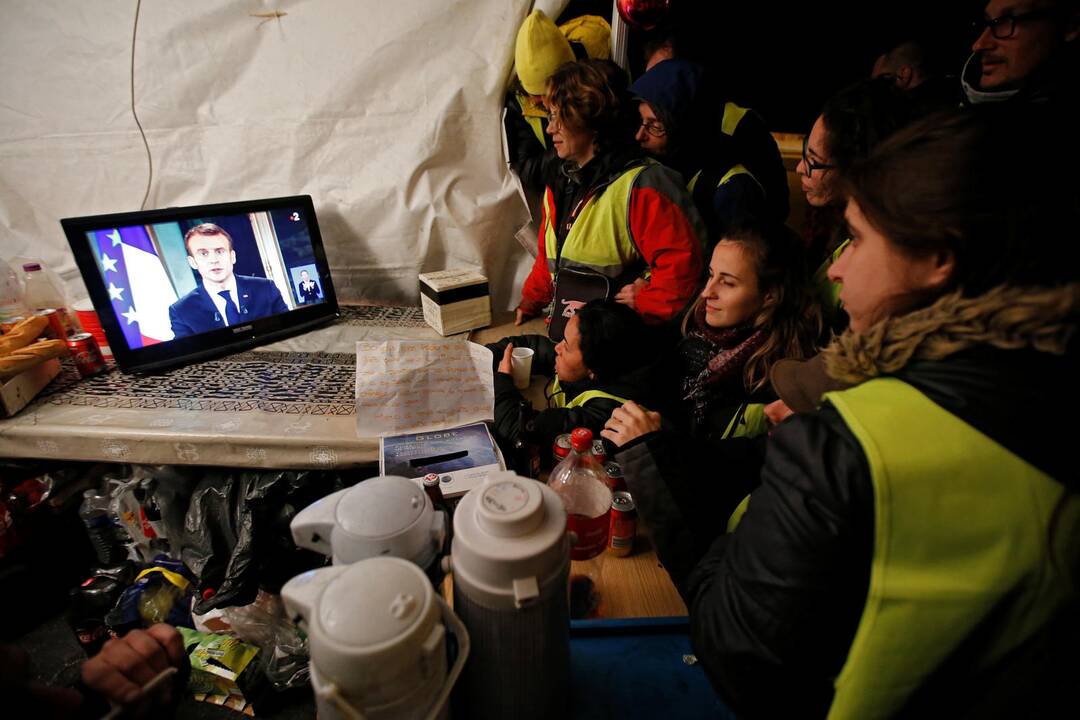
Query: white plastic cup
[521, 366]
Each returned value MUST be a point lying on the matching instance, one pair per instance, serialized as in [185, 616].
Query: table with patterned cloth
[285, 405]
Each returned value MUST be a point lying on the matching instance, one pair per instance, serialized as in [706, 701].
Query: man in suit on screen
[222, 299]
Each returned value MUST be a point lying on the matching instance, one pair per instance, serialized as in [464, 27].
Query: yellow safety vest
[964, 532]
[733, 115]
[749, 421]
[558, 396]
[600, 238]
[735, 170]
[534, 116]
[827, 291]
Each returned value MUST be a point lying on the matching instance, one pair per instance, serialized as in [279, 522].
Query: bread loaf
[27, 357]
[23, 333]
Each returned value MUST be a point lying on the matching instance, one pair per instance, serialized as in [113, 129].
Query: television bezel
[215, 343]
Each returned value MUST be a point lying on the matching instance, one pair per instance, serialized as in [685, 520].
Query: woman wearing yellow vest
[851, 124]
[913, 548]
[756, 308]
[608, 211]
[603, 361]
[539, 50]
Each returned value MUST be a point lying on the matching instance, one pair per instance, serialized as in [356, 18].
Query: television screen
[179, 284]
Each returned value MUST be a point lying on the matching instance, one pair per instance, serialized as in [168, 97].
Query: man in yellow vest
[726, 155]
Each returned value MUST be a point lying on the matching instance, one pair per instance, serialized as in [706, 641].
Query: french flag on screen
[140, 289]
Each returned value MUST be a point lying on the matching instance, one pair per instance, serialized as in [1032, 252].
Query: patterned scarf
[715, 360]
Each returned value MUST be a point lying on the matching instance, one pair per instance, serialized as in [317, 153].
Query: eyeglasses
[654, 128]
[812, 165]
[553, 120]
[1005, 26]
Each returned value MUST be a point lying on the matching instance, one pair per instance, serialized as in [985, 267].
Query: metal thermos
[510, 561]
[377, 632]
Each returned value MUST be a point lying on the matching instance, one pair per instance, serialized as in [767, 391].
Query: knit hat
[592, 32]
[541, 49]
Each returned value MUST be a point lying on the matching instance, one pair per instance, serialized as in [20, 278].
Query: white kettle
[381, 516]
[377, 635]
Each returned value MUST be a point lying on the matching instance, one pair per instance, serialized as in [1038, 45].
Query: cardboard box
[17, 392]
[455, 300]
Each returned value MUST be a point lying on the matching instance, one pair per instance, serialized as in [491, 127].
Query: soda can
[623, 524]
[8, 325]
[56, 329]
[86, 353]
[598, 451]
[615, 476]
[560, 448]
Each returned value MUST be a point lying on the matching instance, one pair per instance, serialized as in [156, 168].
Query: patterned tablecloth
[286, 405]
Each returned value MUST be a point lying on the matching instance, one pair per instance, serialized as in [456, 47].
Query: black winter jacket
[774, 606]
[541, 428]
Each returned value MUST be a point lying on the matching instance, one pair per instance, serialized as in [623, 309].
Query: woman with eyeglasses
[609, 213]
[913, 549]
[726, 155]
[851, 123]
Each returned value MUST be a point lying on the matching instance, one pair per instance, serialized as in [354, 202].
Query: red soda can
[623, 524]
[560, 448]
[56, 329]
[598, 451]
[86, 353]
[7, 326]
[615, 476]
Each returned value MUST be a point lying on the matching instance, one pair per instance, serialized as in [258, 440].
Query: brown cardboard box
[17, 392]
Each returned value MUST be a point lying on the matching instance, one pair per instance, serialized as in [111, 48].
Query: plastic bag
[284, 647]
[237, 537]
[160, 593]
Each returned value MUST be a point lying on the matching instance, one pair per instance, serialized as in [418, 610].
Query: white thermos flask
[381, 516]
[377, 634]
[510, 560]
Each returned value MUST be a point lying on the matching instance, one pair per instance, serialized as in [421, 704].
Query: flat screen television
[176, 285]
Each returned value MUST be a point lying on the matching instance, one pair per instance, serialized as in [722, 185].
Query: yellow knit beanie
[593, 32]
[540, 50]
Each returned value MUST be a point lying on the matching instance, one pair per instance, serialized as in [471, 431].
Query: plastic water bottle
[95, 514]
[42, 290]
[581, 483]
[11, 294]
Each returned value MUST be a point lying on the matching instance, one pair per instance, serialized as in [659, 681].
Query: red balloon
[643, 14]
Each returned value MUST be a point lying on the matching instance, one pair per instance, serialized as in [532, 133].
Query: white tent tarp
[387, 113]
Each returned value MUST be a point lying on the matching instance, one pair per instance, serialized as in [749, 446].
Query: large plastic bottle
[11, 294]
[95, 514]
[42, 290]
[581, 483]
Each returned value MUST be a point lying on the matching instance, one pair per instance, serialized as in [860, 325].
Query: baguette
[22, 334]
[25, 358]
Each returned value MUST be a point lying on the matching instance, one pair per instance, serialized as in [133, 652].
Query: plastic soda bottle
[581, 483]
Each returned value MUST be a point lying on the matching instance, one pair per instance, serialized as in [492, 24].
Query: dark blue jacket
[196, 312]
[692, 110]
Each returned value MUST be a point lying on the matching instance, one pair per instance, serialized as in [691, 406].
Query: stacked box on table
[455, 300]
[17, 392]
